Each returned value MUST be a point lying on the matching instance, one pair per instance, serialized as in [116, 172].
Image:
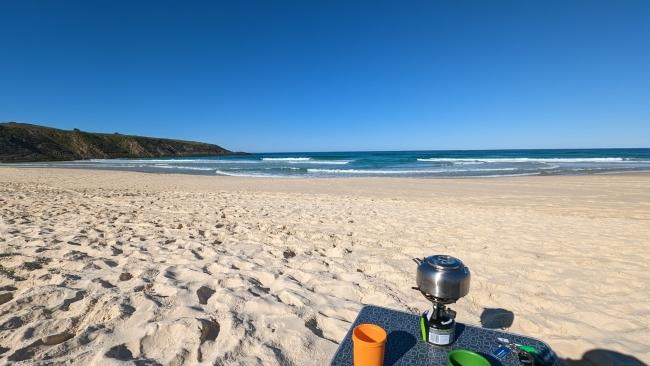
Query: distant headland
[23, 142]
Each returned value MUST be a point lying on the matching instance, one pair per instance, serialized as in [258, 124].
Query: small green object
[423, 329]
[463, 357]
[528, 349]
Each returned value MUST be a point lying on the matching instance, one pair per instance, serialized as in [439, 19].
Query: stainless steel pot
[443, 278]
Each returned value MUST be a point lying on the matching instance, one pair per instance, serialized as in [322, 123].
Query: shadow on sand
[497, 318]
[603, 357]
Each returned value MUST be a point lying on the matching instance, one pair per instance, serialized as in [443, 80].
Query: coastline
[622, 172]
[407, 164]
[565, 254]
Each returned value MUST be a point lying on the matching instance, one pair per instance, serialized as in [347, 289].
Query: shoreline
[408, 164]
[161, 260]
[359, 176]
[353, 177]
[402, 187]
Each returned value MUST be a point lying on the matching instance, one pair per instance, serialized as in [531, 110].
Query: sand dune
[102, 267]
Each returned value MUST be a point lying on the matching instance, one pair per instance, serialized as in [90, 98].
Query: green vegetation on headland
[22, 142]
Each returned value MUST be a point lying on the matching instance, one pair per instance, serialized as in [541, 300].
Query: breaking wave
[525, 160]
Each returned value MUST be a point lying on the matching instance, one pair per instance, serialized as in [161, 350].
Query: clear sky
[264, 76]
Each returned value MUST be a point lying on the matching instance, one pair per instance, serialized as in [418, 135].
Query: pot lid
[444, 262]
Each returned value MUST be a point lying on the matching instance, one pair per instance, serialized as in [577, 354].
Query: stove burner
[443, 280]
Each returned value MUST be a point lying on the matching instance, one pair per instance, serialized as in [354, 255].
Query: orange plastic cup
[369, 342]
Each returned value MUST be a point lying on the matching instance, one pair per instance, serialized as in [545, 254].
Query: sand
[102, 267]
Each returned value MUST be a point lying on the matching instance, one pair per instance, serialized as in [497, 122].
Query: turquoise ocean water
[423, 164]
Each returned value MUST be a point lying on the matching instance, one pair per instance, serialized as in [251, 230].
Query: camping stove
[443, 280]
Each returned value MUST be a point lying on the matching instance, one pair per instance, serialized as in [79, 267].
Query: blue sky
[265, 76]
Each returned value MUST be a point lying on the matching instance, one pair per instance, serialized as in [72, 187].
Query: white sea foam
[549, 167]
[464, 162]
[484, 170]
[369, 171]
[323, 162]
[307, 161]
[231, 174]
[524, 160]
[401, 172]
[555, 160]
[502, 175]
[449, 160]
[286, 159]
[180, 167]
[253, 174]
[167, 161]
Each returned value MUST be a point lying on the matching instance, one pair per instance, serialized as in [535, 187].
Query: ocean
[420, 164]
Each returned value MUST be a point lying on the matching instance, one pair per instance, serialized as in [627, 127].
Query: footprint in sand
[196, 254]
[119, 352]
[110, 263]
[28, 352]
[6, 297]
[67, 302]
[12, 323]
[312, 325]
[32, 266]
[104, 283]
[75, 255]
[204, 293]
[288, 254]
[257, 289]
[55, 339]
[210, 329]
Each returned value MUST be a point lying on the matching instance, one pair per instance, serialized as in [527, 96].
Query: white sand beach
[105, 267]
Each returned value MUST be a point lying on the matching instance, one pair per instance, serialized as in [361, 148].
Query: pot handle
[417, 260]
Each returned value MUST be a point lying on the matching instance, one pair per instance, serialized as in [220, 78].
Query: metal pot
[443, 278]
